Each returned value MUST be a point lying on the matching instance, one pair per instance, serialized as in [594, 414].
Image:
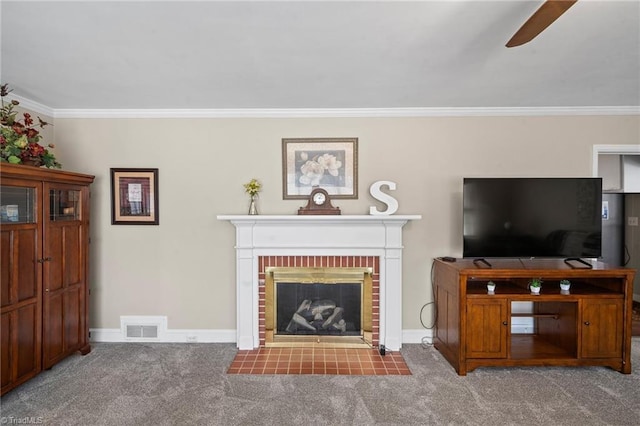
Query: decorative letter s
[376, 193]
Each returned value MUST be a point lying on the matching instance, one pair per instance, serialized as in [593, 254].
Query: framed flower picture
[134, 197]
[328, 163]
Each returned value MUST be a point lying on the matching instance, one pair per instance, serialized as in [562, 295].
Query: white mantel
[292, 235]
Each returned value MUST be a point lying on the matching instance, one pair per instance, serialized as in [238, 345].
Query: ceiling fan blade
[541, 19]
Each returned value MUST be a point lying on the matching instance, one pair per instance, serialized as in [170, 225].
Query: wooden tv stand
[589, 326]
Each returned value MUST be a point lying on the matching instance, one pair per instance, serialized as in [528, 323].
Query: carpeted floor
[187, 384]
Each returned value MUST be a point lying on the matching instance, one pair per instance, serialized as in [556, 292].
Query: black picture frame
[134, 196]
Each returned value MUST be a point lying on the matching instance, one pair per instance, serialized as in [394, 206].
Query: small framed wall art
[134, 197]
[327, 163]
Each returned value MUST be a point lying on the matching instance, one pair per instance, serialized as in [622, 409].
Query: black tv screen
[532, 217]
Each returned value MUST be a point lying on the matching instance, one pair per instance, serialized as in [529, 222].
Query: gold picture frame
[327, 163]
[134, 197]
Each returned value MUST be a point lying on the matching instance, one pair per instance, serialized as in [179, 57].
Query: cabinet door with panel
[602, 328]
[487, 326]
[20, 281]
[64, 272]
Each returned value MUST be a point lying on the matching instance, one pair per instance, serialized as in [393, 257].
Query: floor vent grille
[142, 331]
[141, 328]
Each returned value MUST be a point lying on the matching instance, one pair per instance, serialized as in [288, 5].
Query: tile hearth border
[326, 361]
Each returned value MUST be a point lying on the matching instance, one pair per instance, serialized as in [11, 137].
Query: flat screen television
[532, 217]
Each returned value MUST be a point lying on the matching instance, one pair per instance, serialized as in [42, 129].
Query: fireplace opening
[319, 309]
[311, 306]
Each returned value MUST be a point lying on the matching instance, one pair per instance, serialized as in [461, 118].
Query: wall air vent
[143, 328]
[143, 331]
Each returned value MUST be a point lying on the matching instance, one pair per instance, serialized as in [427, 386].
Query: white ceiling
[79, 55]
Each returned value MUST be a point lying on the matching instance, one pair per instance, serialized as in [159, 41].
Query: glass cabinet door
[64, 204]
[17, 204]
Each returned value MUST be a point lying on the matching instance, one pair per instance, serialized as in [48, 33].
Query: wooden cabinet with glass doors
[44, 230]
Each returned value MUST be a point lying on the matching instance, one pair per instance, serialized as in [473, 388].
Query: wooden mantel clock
[319, 203]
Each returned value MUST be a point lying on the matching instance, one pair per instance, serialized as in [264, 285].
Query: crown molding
[341, 112]
[32, 106]
[324, 112]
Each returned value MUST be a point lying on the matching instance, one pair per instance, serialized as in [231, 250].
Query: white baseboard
[114, 335]
[202, 336]
[158, 332]
[518, 326]
[417, 336]
[523, 325]
[105, 335]
[636, 296]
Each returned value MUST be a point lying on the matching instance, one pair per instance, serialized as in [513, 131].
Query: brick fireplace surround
[314, 241]
[372, 262]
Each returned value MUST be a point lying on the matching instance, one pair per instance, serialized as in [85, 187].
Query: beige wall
[185, 269]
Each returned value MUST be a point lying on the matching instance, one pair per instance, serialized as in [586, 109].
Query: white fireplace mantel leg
[246, 289]
[391, 288]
